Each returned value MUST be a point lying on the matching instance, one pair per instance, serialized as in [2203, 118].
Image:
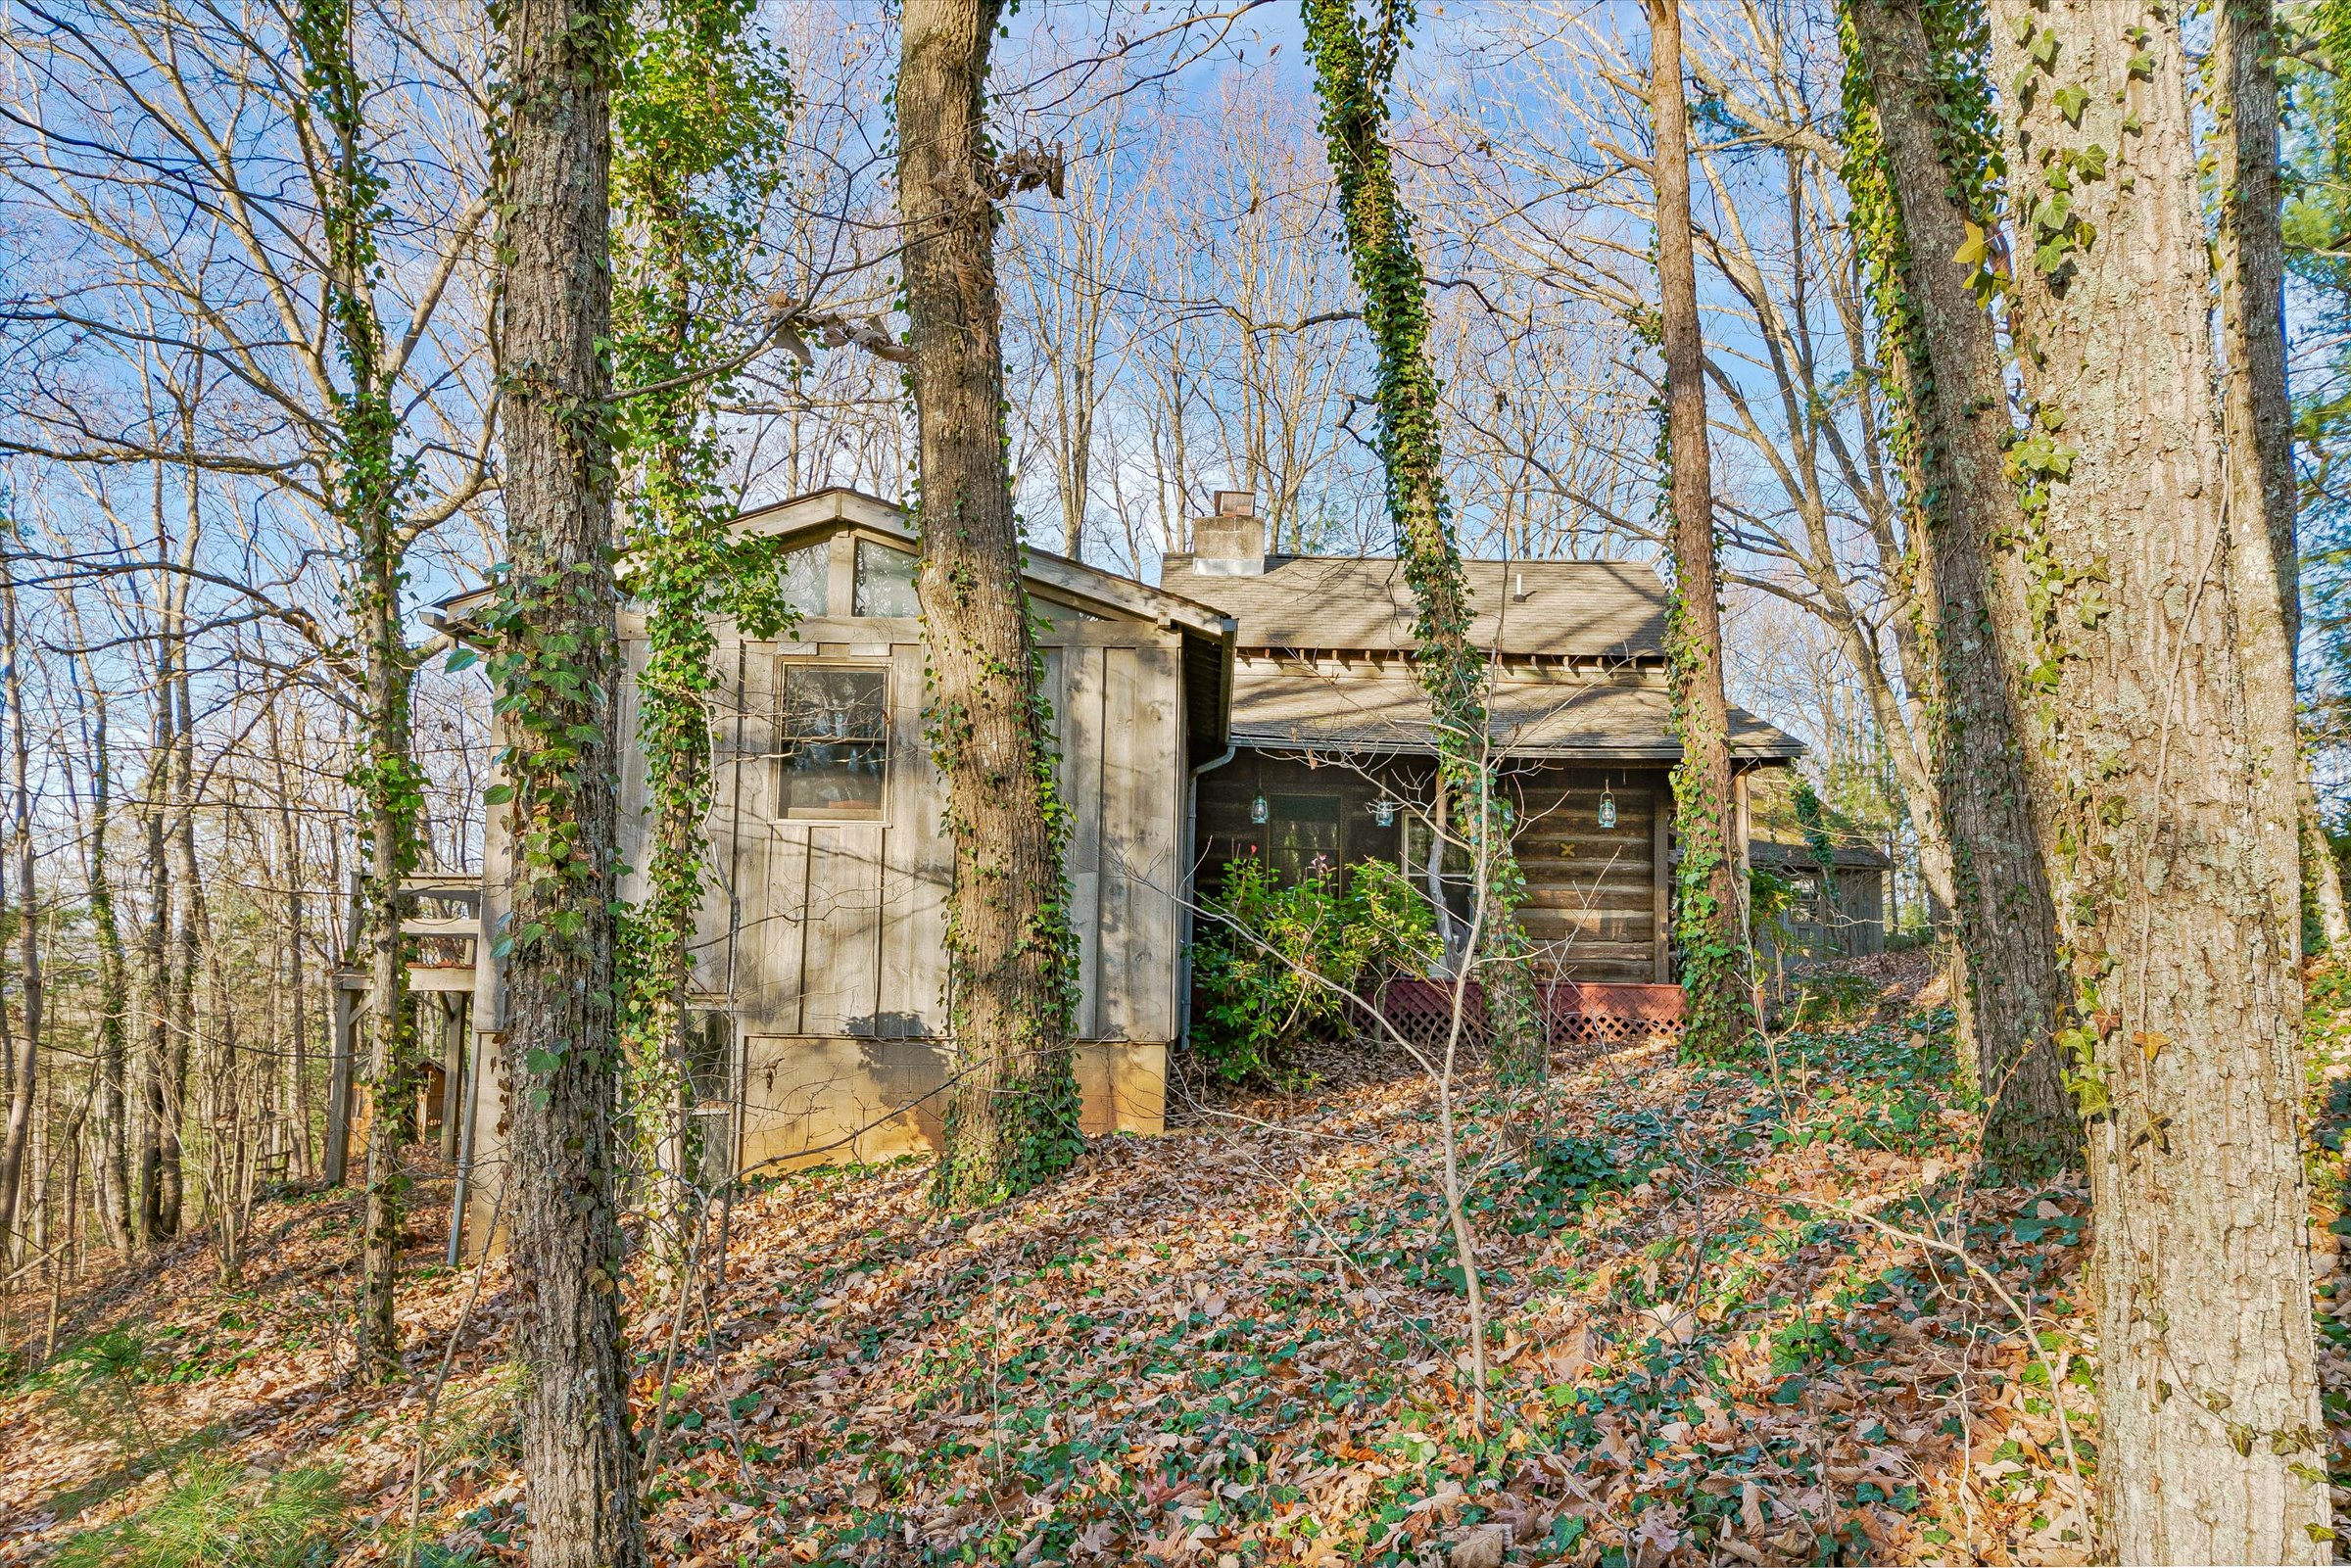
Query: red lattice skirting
[1578, 1015]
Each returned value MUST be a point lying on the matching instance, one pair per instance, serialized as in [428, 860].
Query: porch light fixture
[1607, 807]
[1383, 813]
[1256, 809]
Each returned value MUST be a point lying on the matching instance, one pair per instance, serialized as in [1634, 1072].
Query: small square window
[807, 579]
[884, 581]
[833, 732]
[1304, 835]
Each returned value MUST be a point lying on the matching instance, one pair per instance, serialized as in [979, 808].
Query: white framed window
[832, 741]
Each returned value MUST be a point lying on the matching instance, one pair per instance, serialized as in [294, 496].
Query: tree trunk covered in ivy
[1707, 897]
[699, 127]
[1012, 1114]
[1353, 66]
[2164, 705]
[362, 492]
[554, 666]
[1920, 140]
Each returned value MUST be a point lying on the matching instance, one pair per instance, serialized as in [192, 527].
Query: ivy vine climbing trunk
[553, 631]
[1920, 145]
[1012, 1114]
[362, 492]
[2168, 804]
[697, 136]
[1354, 63]
[1707, 897]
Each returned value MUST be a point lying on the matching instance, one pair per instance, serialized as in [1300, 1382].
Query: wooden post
[338, 1094]
[1660, 878]
[453, 1073]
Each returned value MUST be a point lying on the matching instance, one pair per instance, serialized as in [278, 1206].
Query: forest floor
[1717, 1328]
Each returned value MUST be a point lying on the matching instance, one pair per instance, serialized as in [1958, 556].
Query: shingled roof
[1315, 634]
[1289, 705]
[1580, 609]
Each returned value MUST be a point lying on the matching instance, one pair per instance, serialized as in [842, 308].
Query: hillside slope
[1716, 1330]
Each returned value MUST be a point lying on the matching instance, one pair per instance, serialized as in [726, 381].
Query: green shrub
[1274, 963]
[217, 1516]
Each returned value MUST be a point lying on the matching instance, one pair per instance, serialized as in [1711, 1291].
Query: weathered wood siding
[839, 928]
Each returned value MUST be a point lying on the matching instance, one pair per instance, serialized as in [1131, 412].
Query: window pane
[830, 704]
[833, 732]
[884, 581]
[709, 1053]
[1303, 829]
[806, 573]
[830, 779]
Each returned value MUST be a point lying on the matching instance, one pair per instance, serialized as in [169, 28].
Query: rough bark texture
[2165, 711]
[391, 1020]
[2007, 922]
[557, 668]
[1709, 897]
[1013, 1111]
[2250, 249]
[2321, 872]
[2259, 414]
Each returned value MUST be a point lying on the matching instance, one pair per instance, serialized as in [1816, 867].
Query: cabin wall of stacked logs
[1596, 897]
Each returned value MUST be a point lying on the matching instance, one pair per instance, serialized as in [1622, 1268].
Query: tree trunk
[364, 491]
[2170, 806]
[556, 667]
[1940, 343]
[2321, 872]
[111, 1169]
[22, 1085]
[189, 932]
[390, 1050]
[1707, 925]
[2259, 415]
[159, 1133]
[298, 1054]
[1012, 1116]
[1352, 67]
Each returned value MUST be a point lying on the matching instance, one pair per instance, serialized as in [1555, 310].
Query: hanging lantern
[1383, 813]
[1256, 809]
[1607, 807]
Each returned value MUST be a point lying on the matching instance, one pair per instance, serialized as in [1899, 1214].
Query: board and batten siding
[828, 939]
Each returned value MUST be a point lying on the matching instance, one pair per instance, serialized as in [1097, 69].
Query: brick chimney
[1232, 543]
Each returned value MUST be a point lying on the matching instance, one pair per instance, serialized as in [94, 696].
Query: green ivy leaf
[2071, 101]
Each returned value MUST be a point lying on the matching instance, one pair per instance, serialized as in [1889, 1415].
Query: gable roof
[1578, 610]
[1778, 834]
[825, 510]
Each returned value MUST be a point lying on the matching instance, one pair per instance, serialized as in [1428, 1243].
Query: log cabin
[1250, 704]
[1334, 749]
